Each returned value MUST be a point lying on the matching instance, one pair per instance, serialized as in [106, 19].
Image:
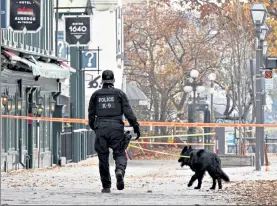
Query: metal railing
[66, 145]
[76, 145]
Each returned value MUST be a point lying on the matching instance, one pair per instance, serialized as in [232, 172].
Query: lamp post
[263, 56]
[19, 104]
[4, 99]
[258, 15]
[34, 109]
[40, 110]
[193, 87]
[264, 32]
[212, 78]
[52, 105]
[10, 104]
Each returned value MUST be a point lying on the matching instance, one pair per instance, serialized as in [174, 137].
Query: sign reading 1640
[77, 29]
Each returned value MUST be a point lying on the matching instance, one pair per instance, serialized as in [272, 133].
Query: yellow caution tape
[180, 135]
[153, 151]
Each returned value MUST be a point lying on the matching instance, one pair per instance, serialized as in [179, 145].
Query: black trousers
[110, 135]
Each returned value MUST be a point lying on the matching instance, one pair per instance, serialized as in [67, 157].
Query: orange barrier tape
[69, 120]
[143, 123]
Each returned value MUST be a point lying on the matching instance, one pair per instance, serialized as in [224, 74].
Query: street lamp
[19, 104]
[265, 48]
[52, 105]
[264, 32]
[188, 89]
[4, 99]
[37, 110]
[194, 73]
[258, 15]
[40, 108]
[193, 87]
[34, 109]
[10, 104]
[200, 89]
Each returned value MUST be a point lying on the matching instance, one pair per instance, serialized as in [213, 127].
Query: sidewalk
[147, 182]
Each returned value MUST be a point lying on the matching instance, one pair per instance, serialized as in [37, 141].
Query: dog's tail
[224, 176]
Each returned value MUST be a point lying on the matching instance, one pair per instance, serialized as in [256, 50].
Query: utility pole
[258, 15]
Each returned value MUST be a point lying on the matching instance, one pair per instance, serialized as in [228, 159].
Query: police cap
[107, 75]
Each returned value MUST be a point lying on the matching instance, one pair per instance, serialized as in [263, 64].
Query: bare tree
[163, 45]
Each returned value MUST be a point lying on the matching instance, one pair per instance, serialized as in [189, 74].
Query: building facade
[31, 78]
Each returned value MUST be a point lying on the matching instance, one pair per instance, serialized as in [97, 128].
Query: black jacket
[125, 106]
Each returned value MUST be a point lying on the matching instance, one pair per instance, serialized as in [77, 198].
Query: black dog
[200, 161]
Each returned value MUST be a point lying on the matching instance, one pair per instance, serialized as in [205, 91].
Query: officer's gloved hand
[137, 131]
[91, 126]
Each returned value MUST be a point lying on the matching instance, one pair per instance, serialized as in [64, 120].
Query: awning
[43, 69]
[134, 94]
[50, 70]
[14, 57]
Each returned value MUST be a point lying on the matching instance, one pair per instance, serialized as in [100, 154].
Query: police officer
[106, 107]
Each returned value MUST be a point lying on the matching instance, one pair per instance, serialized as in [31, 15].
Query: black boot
[120, 179]
[106, 190]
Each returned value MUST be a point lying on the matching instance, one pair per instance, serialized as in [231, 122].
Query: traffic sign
[268, 77]
[77, 30]
[26, 16]
[62, 47]
[89, 60]
[93, 80]
[269, 84]
[268, 74]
